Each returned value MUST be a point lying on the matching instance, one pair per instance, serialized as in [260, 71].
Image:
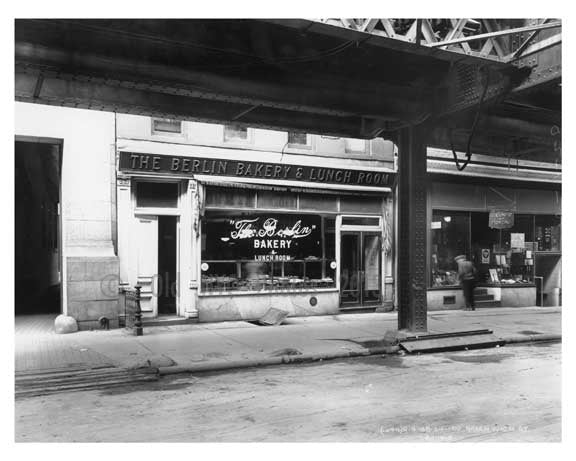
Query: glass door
[350, 269]
[371, 268]
[360, 269]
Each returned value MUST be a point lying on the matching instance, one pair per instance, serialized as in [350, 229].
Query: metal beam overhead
[356, 78]
[499, 33]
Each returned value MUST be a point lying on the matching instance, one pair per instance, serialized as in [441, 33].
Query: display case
[506, 267]
[501, 256]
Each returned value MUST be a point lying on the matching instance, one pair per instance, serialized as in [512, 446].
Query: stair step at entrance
[488, 303]
[166, 321]
[483, 297]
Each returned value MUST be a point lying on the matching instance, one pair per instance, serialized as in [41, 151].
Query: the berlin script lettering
[189, 165]
[248, 229]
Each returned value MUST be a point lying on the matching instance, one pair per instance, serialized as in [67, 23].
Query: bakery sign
[265, 237]
[176, 165]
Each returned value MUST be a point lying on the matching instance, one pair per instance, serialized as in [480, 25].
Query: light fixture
[447, 218]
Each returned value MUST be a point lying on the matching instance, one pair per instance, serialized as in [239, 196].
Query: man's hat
[460, 257]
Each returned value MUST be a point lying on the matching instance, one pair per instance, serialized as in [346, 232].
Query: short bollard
[138, 331]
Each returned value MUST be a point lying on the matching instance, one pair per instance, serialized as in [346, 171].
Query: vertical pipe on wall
[113, 188]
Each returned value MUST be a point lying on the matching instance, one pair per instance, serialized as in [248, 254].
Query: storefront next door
[360, 269]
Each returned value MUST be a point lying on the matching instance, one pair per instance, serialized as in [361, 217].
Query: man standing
[467, 277]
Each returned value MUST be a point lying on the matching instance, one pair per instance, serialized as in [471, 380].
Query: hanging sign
[500, 219]
[485, 253]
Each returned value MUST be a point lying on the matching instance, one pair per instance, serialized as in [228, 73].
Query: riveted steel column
[412, 306]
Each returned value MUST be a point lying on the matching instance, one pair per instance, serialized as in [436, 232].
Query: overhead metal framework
[525, 120]
[487, 86]
[484, 38]
[345, 77]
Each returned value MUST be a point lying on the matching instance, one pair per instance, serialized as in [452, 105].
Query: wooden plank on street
[452, 343]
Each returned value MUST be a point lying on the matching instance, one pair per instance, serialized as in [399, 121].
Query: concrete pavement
[198, 347]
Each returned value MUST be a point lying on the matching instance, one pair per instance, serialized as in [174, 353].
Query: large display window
[450, 238]
[503, 256]
[255, 251]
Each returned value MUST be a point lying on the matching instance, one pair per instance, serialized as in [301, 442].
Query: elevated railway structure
[486, 86]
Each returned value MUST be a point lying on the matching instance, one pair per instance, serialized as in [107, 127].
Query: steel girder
[484, 38]
[365, 87]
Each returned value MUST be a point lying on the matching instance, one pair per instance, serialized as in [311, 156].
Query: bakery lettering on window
[271, 238]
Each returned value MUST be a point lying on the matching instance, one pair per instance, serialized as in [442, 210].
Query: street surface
[507, 394]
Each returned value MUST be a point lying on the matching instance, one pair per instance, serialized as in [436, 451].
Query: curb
[532, 338]
[317, 357]
[284, 359]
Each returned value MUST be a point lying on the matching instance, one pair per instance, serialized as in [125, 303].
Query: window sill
[445, 287]
[287, 291]
[299, 147]
[485, 285]
[505, 285]
[139, 212]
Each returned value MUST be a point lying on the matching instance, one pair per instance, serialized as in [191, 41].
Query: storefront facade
[507, 221]
[224, 229]
[221, 223]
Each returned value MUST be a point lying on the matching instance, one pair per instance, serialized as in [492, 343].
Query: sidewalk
[198, 347]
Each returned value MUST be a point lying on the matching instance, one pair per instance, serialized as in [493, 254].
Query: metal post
[138, 331]
[412, 227]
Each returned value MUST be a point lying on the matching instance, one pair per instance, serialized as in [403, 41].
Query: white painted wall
[88, 143]
[136, 127]
[87, 161]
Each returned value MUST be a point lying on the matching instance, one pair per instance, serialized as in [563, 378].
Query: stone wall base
[92, 289]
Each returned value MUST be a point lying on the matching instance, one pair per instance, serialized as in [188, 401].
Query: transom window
[156, 195]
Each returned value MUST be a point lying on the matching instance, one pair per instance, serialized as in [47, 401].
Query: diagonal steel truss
[498, 40]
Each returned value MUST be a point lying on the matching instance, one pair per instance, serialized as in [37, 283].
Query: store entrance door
[146, 240]
[167, 228]
[156, 238]
[360, 269]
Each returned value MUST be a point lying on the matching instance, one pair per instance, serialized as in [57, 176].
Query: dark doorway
[37, 228]
[167, 276]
